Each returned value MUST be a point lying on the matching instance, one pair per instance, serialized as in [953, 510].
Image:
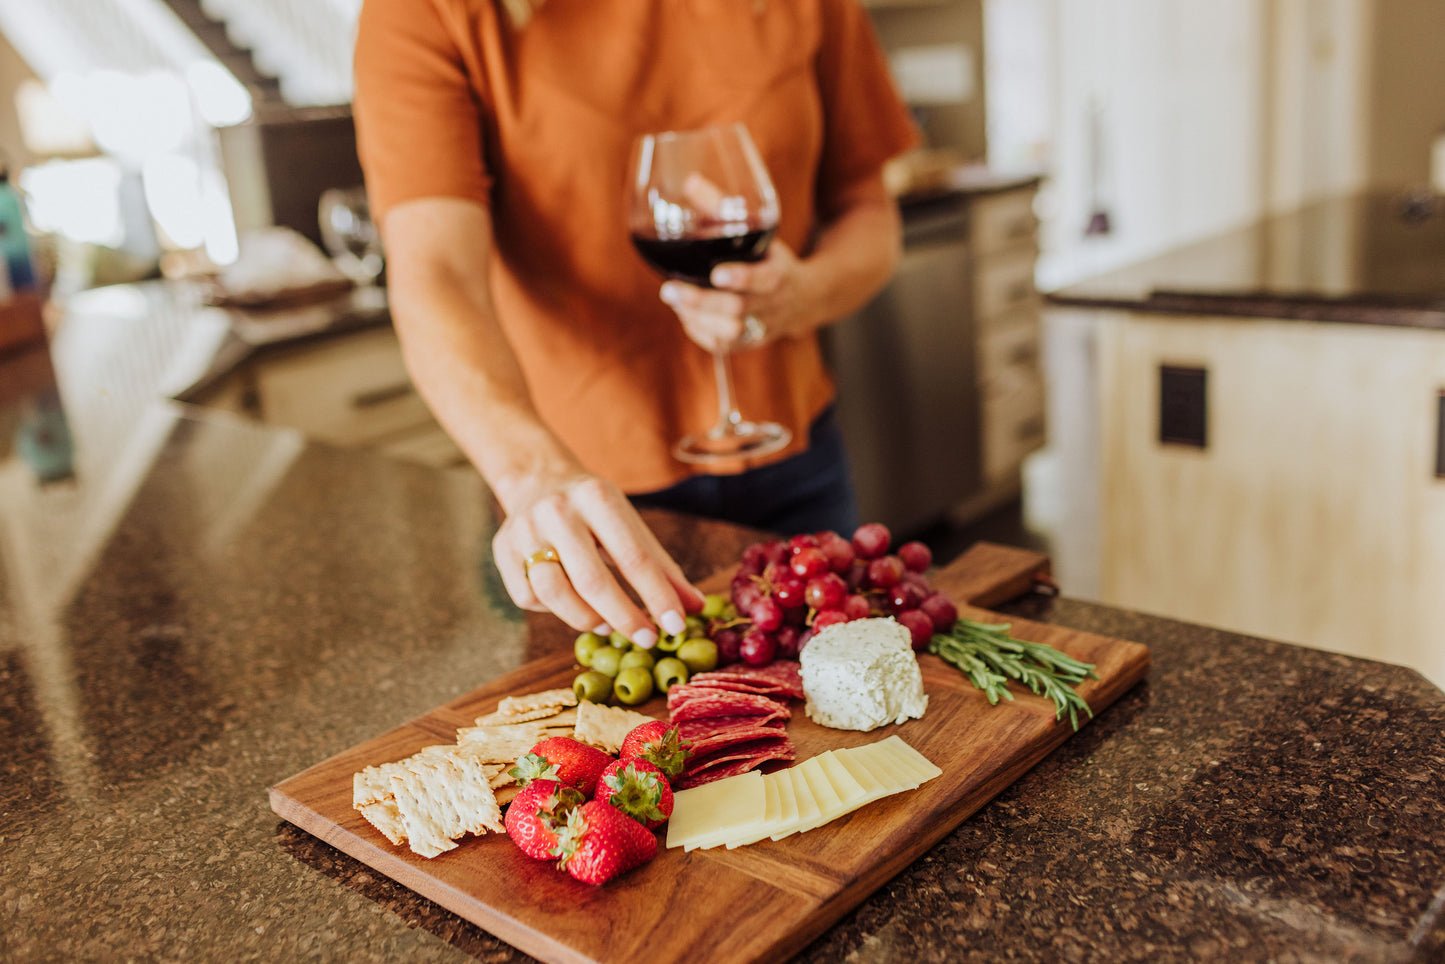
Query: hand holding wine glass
[700, 199]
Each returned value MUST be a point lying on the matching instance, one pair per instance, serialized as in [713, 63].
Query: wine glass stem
[728, 417]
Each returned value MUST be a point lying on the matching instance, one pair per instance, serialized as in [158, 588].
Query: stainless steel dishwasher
[907, 389]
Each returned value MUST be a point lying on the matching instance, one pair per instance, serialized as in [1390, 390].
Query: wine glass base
[747, 440]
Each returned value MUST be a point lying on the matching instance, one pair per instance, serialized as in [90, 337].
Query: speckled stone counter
[194, 607]
[1369, 258]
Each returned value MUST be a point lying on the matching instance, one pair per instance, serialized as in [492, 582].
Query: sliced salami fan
[736, 759]
[707, 736]
[703, 704]
[741, 685]
[783, 673]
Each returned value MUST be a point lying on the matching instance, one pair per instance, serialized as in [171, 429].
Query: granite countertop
[194, 607]
[1363, 258]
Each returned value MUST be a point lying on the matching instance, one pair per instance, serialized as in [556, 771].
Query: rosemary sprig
[989, 656]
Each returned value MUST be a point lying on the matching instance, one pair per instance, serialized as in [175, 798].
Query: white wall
[1207, 115]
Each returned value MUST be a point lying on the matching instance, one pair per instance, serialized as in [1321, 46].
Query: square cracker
[440, 800]
[384, 816]
[606, 726]
[514, 706]
[373, 784]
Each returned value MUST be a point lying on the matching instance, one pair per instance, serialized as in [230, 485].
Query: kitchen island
[194, 606]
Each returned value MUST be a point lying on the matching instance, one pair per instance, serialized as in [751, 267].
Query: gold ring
[541, 555]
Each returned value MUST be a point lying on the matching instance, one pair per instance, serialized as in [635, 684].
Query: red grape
[838, 550]
[857, 576]
[809, 561]
[826, 591]
[788, 591]
[803, 541]
[806, 635]
[828, 617]
[754, 558]
[904, 597]
[746, 594]
[758, 648]
[728, 645]
[872, 540]
[919, 626]
[766, 614]
[857, 607]
[916, 556]
[776, 552]
[940, 610]
[787, 640]
[885, 572]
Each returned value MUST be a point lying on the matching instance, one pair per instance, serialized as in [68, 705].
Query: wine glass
[350, 234]
[700, 198]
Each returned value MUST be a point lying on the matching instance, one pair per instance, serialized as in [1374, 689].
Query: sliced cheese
[850, 792]
[771, 812]
[787, 805]
[829, 804]
[808, 812]
[908, 757]
[729, 806]
[882, 765]
[873, 787]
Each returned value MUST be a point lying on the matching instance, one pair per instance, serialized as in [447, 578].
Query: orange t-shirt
[537, 123]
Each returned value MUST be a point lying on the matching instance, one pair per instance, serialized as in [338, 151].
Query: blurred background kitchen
[1172, 306]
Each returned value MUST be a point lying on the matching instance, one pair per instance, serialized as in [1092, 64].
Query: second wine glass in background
[350, 235]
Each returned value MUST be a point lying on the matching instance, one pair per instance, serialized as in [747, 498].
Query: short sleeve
[865, 120]
[418, 125]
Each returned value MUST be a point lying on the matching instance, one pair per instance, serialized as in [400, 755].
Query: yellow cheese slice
[808, 811]
[718, 809]
[873, 787]
[771, 812]
[850, 792]
[882, 765]
[829, 805]
[787, 805]
[909, 757]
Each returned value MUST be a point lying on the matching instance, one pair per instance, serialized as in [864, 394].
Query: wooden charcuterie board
[762, 902]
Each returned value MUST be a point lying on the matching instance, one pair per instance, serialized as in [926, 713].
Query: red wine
[692, 259]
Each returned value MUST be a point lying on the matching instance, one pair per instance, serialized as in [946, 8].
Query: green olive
[637, 657]
[669, 672]
[586, 645]
[592, 686]
[668, 643]
[696, 626]
[633, 685]
[700, 655]
[619, 641]
[607, 660]
[713, 604]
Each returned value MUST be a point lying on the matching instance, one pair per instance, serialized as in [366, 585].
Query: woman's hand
[588, 521]
[778, 292]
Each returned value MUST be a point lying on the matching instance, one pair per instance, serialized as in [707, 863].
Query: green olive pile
[613, 667]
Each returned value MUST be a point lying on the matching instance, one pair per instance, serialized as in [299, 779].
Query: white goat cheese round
[861, 675]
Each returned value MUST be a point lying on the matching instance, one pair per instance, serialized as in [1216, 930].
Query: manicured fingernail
[670, 293]
[602, 629]
[672, 622]
[723, 277]
[646, 638]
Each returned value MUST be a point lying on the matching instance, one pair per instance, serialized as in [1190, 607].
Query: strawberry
[659, 743]
[565, 760]
[639, 789]
[600, 842]
[536, 814]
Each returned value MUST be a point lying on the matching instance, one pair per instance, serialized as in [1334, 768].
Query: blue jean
[807, 492]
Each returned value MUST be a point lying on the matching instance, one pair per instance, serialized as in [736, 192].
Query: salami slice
[783, 673]
[704, 705]
[736, 759]
[707, 736]
[740, 685]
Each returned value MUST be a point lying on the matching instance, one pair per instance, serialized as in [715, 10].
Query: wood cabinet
[940, 391]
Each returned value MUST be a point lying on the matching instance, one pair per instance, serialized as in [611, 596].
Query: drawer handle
[380, 396]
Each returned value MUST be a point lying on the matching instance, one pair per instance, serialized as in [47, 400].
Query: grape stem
[990, 656]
